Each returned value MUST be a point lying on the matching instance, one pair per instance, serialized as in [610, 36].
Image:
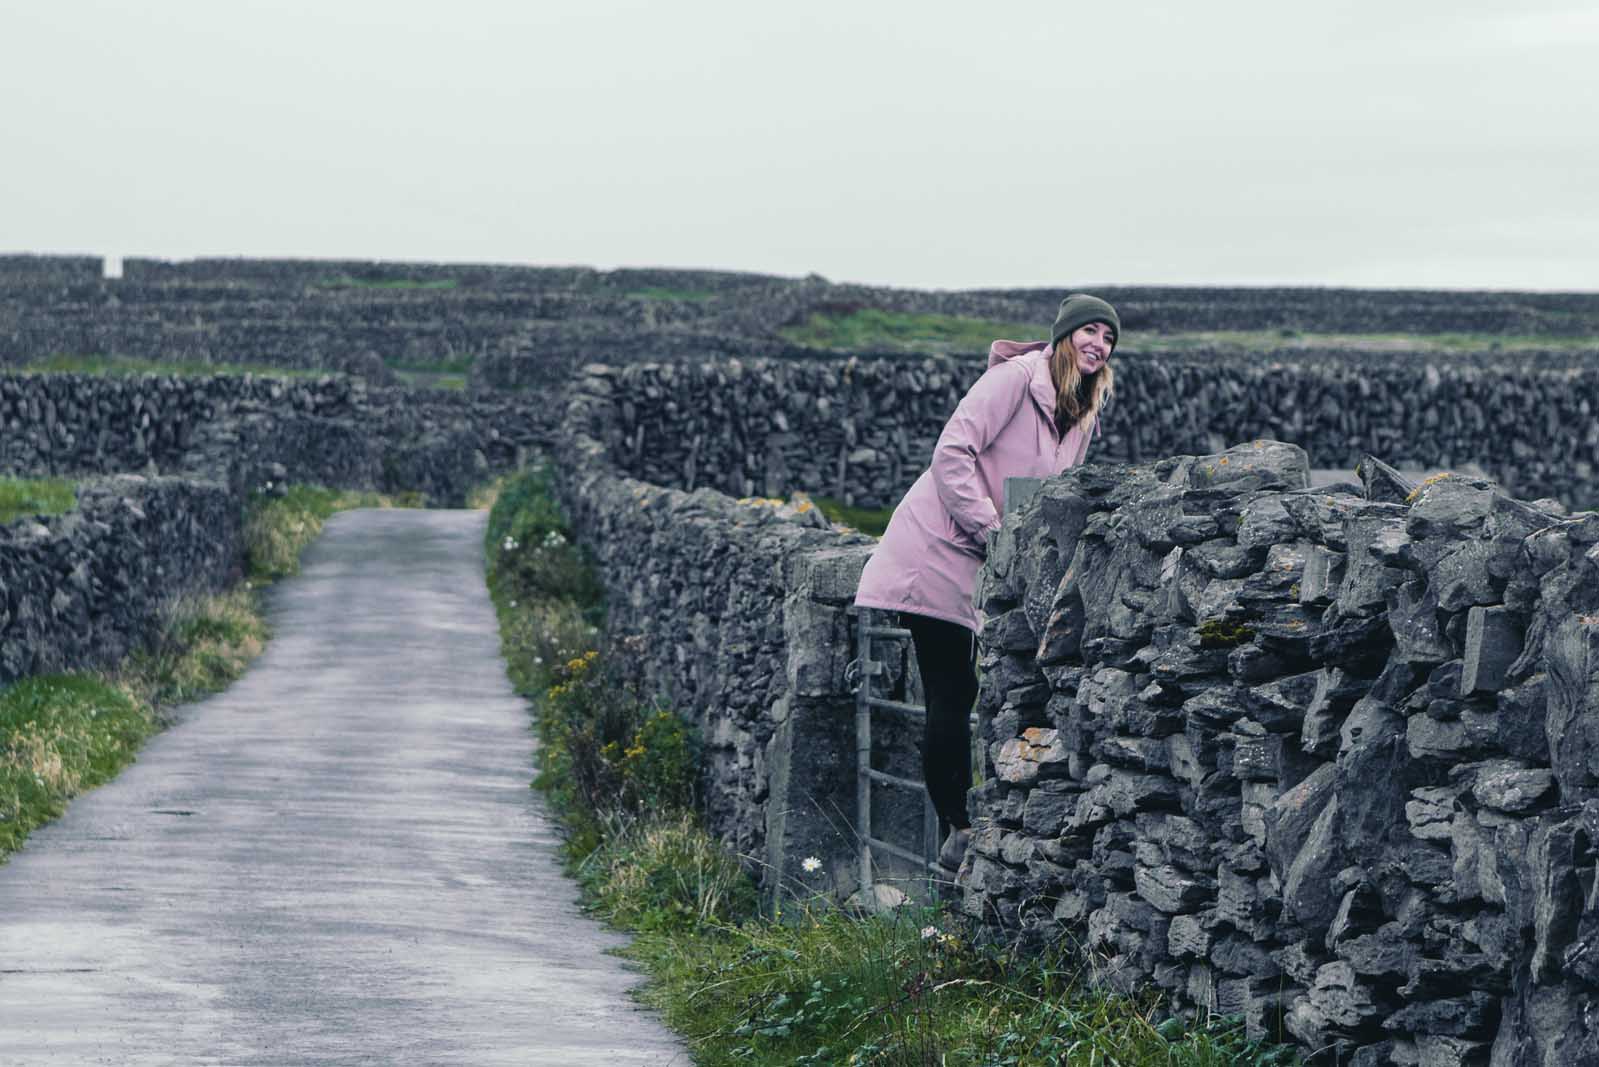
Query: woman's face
[1093, 343]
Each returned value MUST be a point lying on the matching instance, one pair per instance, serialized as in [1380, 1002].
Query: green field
[35, 496]
[347, 282]
[871, 329]
[127, 366]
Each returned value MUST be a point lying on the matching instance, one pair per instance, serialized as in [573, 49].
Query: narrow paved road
[338, 861]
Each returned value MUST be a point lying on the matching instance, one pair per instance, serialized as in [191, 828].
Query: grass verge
[35, 496]
[63, 734]
[813, 985]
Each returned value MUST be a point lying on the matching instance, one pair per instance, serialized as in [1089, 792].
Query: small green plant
[604, 753]
[20, 497]
[665, 874]
[1223, 633]
[531, 553]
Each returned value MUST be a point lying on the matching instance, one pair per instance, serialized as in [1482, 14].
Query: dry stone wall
[245, 430]
[528, 327]
[82, 589]
[35, 272]
[1325, 757]
[862, 430]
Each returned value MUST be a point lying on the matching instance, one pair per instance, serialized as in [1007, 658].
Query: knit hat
[1080, 309]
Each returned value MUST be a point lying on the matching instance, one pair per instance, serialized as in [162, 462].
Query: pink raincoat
[935, 543]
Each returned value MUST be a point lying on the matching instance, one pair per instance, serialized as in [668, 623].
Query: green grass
[867, 520]
[870, 328]
[657, 292]
[424, 379]
[811, 985]
[126, 366]
[446, 365]
[63, 734]
[911, 988]
[35, 496]
[277, 527]
[344, 281]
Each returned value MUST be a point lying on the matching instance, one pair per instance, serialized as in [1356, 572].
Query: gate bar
[894, 779]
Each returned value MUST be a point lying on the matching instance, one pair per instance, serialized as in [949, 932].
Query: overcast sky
[1371, 142]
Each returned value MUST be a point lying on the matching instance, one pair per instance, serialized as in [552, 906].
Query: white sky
[1367, 142]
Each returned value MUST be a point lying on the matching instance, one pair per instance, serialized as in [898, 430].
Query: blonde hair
[1078, 398]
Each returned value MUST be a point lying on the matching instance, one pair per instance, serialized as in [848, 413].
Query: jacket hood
[1041, 388]
[1000, 351]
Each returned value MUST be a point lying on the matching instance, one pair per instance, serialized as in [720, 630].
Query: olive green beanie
[1080, 309]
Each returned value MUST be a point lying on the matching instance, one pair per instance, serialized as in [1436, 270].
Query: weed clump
[1223, 633]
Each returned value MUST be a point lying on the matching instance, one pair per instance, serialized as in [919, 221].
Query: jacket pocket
[960, 539]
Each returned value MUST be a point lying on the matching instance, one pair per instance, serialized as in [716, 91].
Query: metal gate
[869, 626]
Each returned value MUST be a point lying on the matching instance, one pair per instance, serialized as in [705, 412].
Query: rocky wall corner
[1328, 758]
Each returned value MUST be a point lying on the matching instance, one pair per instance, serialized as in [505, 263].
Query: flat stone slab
[338, 861]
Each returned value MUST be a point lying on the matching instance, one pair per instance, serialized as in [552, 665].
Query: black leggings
[945, 652]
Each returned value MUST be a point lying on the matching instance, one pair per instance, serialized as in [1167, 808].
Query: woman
[1030, 415]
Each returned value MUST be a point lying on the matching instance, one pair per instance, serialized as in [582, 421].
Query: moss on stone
[1223, 633]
